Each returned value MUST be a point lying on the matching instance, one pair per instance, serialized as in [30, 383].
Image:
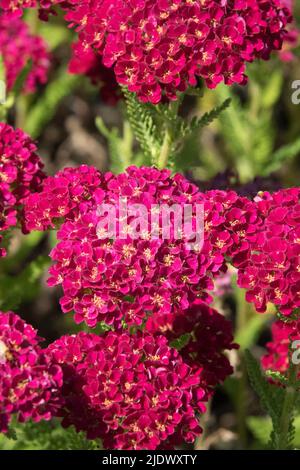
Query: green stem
[127, 143]
[286, 416]
[241, 405]
[168, 141]
[165, 150]
[282, 440]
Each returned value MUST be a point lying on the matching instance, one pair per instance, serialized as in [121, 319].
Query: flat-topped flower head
[135, 273]
[132, 391]
[29, 383]
[271, 271]
[159, 48]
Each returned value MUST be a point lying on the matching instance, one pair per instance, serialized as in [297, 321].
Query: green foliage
[54, 34]
[246, 337]
[142, 120]
[261, 428]
[46, 436]
[23, 287]
[278, 402]
[120, 147]
[21, 79]
[282, 156]
[186, 128]
[161, 131]
[44, 109]
[2, 69]
[248, 127]
[181, 342]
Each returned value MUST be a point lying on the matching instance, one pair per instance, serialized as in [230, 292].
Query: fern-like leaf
[142, 120]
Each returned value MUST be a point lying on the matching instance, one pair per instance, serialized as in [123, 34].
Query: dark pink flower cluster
[17, 47]
[160, 47]
[90, 65]
[132, 391]
[206, 335]
[278, 353]
[29, 383]
[127, 278]
[20, 173]
[271, 271]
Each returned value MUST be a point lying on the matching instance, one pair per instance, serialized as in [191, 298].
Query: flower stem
[282, 440]
[285, 420]
[165, 150]
[241, 405]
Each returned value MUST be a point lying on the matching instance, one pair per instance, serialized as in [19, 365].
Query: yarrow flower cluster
[278, 354]
[132, 391]
[20, 173]
[127, 279]
[271, 272]
[17, 47]
[29, 383]
[206, 334]
[159, 48]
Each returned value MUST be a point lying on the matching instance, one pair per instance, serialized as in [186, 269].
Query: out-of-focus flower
[90, 65]
[20, 173]
[132, 391]
[17, 47]
[29, 383]
[279, 349]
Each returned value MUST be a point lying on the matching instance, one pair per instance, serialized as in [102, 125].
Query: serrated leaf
[141, 118]
[181, 342]
[197, 123]
[282, 156]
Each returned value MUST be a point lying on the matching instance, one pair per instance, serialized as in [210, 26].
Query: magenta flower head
[146, 268]
[90, 65]
[17, 47]
[271, 271]
[132, 391]
[158, 48]
[206, 336]
[29, 383]
[20, 173]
